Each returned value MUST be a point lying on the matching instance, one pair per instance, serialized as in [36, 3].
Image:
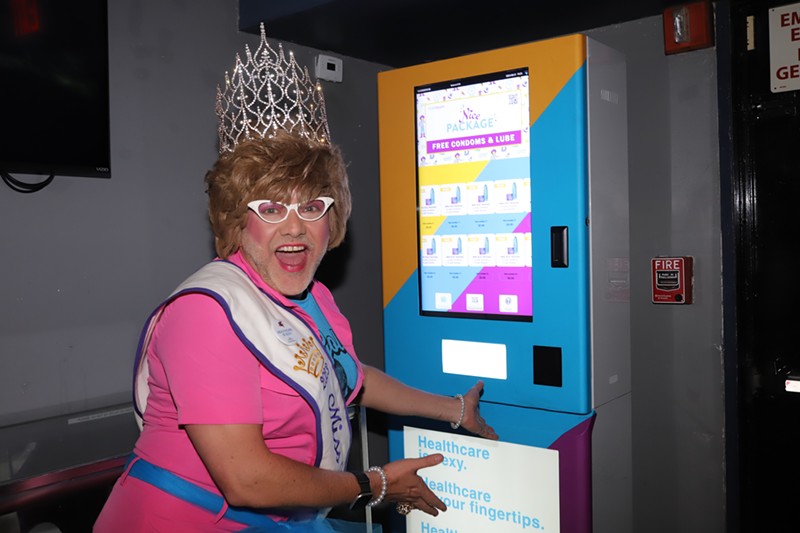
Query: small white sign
[487, 485]
[784, 48]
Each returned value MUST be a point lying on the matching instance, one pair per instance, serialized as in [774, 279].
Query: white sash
[281, 341]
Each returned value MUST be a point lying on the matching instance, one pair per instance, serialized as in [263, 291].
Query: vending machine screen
[474, 201]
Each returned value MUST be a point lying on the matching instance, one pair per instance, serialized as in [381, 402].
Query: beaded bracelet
[456, 425]
[375, 501]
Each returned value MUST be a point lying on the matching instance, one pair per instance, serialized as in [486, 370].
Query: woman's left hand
[473, 421]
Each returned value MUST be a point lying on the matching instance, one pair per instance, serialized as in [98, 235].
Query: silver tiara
[267, 93]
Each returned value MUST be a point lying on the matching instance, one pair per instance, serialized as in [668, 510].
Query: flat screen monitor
[473, 197]
[54, 65]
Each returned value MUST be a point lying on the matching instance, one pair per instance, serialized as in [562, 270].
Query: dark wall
[86, 260]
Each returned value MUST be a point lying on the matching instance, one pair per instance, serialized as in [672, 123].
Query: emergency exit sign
[672, 280]
[784, 48]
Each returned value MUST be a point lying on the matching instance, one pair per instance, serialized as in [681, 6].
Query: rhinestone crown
[267, 93]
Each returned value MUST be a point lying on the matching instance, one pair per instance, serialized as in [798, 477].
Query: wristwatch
[364, 494]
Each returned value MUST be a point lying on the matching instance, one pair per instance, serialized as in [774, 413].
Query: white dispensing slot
[469, 358]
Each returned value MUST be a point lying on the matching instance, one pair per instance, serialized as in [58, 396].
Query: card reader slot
[548, 366]
[559, 247]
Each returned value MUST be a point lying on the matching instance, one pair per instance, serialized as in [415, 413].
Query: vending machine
[504, 226]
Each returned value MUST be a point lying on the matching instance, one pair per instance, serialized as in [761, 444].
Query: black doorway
[765, 192]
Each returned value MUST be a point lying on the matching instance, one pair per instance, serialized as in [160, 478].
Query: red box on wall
[688, 27]
[672, 279]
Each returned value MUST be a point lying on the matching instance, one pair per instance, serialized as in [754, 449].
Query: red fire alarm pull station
[672, 280]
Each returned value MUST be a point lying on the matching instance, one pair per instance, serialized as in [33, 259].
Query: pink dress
[201, 373]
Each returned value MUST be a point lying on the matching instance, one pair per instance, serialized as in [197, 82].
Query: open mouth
[292, 258]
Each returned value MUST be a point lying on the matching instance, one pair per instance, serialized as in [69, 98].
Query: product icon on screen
[432, 249]
[508, 303]
[457, 198]
[475, 302]
[513, 194]
[431, 199]
[485, 249]
[485, 196]
[444, 301]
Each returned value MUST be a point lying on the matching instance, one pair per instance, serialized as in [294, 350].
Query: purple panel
[575, 477]
[524, 225]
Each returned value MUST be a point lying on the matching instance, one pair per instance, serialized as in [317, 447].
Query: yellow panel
[444, 173]
[551, 64]
[430, 225]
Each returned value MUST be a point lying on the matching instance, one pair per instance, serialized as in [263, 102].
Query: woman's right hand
[404, 485]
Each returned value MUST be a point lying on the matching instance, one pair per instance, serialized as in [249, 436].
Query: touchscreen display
[474, 202]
